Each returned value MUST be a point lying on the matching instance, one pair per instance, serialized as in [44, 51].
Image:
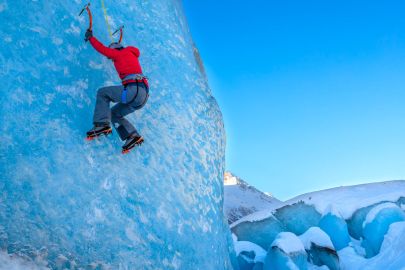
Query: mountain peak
[242, 199]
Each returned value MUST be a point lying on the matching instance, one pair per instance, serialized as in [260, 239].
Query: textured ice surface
[341, 212]
[249, 255]
[159, 207]
[371, 216]
[246, 260]
[9, 262]
[335, 226]
[320, 248]
[245, 246]
[377, 224]
[261, 232]
[286, 253]
[316, 236]
[288, 242]
[355, 223]
[391, 256]
[298, 218]
[258, 266]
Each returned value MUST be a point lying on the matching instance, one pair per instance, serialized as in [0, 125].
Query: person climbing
[132, 95]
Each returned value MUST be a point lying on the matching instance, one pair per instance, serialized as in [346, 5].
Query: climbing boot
[131, 142]
[98, 130]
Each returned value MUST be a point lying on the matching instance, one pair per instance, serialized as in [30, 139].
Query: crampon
[136, 141]
[92, 135]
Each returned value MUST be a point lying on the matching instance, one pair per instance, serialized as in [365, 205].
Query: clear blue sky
[312, 92]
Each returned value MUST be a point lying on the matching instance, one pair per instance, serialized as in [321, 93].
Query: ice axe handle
[87, 8]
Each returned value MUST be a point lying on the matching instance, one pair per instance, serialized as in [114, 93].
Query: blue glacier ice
[249, 254]
[320, 248]
[298, 217]
[286, 253]
[75, 203]
[376, 225]
[258, 266]
[355, 223]
[246, 260]
[336, 227]
[261, 232]
[390, 257]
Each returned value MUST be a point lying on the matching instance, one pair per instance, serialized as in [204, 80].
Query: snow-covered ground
[242, 199]
[346, 200]
[391, 256]
[348, 228]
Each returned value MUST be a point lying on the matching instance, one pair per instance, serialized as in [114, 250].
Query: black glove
[88, 35]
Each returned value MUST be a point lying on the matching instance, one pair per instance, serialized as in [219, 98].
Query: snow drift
[77, 204]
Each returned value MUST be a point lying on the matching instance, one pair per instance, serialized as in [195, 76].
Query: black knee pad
[122, 132]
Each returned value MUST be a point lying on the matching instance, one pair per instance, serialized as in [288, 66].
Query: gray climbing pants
[129, 98]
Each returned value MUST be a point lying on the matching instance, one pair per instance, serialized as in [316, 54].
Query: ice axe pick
[87, 8]
[121, 30]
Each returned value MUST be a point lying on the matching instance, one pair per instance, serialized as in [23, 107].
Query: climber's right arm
[98, 46]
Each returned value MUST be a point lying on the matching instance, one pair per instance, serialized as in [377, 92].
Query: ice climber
[130, 96]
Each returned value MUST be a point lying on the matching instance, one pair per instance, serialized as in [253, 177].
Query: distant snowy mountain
[242, 199]
[353, 228]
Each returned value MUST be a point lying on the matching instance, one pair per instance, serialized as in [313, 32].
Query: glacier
[286, 253]
[336, 227]
[320, 249]
[354, 227]
[376, 225]
[74, 204]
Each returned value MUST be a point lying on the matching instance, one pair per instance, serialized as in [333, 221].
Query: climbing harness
[124, 98]
[124, 95]
[136, 78]
[87, 8]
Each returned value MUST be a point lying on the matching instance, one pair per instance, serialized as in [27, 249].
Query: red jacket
[125, 61]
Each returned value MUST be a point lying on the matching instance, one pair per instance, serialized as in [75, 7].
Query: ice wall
[75, 203]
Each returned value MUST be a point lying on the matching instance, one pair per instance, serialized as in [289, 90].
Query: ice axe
[121, 30]
[87, 7]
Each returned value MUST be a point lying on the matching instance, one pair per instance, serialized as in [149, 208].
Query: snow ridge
[375, 210]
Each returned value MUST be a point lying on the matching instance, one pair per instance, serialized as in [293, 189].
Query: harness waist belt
[134, 77]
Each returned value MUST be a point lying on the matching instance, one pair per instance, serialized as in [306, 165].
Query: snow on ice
[350, 228]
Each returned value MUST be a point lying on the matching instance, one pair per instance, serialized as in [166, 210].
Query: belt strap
[135, 77]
